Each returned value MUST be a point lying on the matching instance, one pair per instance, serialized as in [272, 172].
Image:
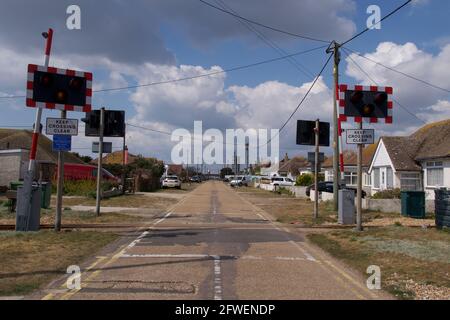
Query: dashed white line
[217, 279]
[146, 232]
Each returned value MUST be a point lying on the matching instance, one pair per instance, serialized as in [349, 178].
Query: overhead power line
[264, 25]
[282, 127]
[399, 72]
[371, 79]
[382, 19]
[272, 44]
[302, 100]
[197, 76]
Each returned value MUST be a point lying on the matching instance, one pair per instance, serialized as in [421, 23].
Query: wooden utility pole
[316, 170]
[334, 48]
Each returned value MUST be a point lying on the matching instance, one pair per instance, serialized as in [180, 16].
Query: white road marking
[306, 253]
[210, 257]
[149, 255]
[146, 232]
[217, 278]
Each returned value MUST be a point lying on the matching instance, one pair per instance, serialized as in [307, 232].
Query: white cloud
[413, 95]
[436, 112]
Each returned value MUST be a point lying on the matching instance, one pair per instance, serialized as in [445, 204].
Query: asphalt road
[214, 244]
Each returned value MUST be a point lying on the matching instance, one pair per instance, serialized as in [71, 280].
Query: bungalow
[291, 168]
[417, 162]
[14, 154]
[350, 175]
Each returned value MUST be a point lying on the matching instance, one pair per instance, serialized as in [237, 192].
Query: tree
[226, 172]
[86, 159]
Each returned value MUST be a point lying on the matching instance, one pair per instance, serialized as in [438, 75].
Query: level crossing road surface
[214, 244]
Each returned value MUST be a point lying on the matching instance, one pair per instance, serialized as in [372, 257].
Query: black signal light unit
[54, 88]
[365, 103]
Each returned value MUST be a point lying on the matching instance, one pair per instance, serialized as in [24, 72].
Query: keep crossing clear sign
[360, 136]
[57, 126]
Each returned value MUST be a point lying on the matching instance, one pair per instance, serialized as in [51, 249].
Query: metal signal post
[99, 163]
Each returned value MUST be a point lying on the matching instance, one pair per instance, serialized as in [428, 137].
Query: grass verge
[414, 262]
[30, 260]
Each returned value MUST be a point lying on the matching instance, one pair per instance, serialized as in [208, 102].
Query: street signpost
[57, 89]
[58, 126]
[107, 147]
[356, 136]
[317, 134]
[62, 142]
[363, 104]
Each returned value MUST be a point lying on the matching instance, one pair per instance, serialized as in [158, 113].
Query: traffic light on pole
[114, 123]
[92, 121]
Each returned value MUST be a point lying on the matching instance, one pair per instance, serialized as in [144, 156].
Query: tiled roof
[21, 139]
[429, 142]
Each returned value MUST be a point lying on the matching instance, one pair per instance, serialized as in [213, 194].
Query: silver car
[171, 182]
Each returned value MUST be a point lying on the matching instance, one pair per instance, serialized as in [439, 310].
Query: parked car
[171, 182]
[327, 186]
[195, 179]
[239, 181]
[282, 182]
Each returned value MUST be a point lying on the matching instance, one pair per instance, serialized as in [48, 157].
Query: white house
[350, 174]
[417, 162]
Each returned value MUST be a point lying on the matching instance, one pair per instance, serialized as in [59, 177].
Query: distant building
[291, 168]
[350, 167]
[15, 148]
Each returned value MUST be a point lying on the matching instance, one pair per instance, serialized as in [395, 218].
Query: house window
[435, 174]
[382, 178]
[410, 182]
[367, 180]
[376, 178]
[330, 175]
[350, 178]
[389, 178]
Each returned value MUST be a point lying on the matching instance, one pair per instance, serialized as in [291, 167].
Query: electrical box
[346, 210]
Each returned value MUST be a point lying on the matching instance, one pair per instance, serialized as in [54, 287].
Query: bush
[387, 194]
[85, 188]
[307, 179]
[304, 180]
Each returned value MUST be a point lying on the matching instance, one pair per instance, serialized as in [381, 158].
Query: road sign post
[363, 104]
[60, 183]
[24, 211]
[99, 163]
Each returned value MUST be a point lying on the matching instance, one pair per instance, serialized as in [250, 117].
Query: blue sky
[149, 41]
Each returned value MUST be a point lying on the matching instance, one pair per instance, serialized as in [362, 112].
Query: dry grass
[30, 260]
[288, 209]
[415, 262]
[127, 201]
[75, 217]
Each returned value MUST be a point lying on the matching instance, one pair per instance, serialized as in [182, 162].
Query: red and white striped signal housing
[365, 103]
[59, 89]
